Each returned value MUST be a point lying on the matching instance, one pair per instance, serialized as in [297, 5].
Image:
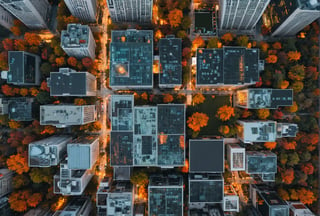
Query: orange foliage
[270, 145]
[24, 92]
[197, 121]
[44, 86]
[277, 114]
[306, 196]
[15, 30]
[197, 42]
[33, 91]
[7, 90]
[181, 142]
[7, 44]
[263, 113]
[272, 59]
[284, 84]
[16, 90]
[48, 129]
[277, 46]
[307, 168]
[198, 98]
[289, 145]
[227, 37]
[162, 138]
[28, 139]
[19, 44]
[224, 129]
[225, 112]
[34, 200]
[246, 113]
[87, 62]
[144, 96]
[297, 86]
[72, 61]
[18, 200]
[185, 169]
[60, 61]
[32, 39]
[293, 194]
[175, 17]
[18, 163]
[283, 194]
[287, 176]
[264, 46]
[167, 98]
[79, 101]
[14, 124]
[293, 108]
[294, 55]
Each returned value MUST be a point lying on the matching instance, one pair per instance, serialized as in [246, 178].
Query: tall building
[287, 17]
[67, 115]
[48, 152]
[6, 19]
[68, 82]
[165, 194]
[35, 14]
[299, 209]
[131, 59]
[24, 68]
[241, 15]
[263, 98]
[229, 67]
[70, 182]
[84, 10]
[21, 109]
[5, 181]
[78, 41]
[78, 206]
[130, 11]
[83, 152]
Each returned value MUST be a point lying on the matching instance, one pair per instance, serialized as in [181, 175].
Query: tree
[186, 23]
[263, 113]
[213, 43]
[243, 40]
[7, 90]
[287, 176]
[79, 101]
[7, 44]
[167, 98]
[197, 121]
[197, 42]
[18, 200]
[277, 46]
[32, 39]
[297, 86]
[224, 129]
[60, 61]
[225, 112]
[19, 44]
[45, 68]
[293, 159]
[175, 17]
[289, 145]
[272, 59]
[270, 145]
[283, 194]
[15, 30]
[277, 114]
[19, 181]
[33, 91]
[87, 62]
[24, 92]
[283, 158]
[39, 175]
[182, 34]
[186, 52]
[14, 124]
[144, 96]
[284, 84]
[297, 72]
[312, 72]
[44, 86]
[307, 168]
[198, 98]
[43, 97]
[227, 38]
[293, 108]
[293, 194]
[72, 61]
[34, 200]
[18, 163]
[139, 178]
[306, 196]
[3, 61]
[294, 55]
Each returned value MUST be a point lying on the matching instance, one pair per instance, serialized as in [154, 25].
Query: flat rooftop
[261, 162]
[22, 67]
[207, 189]
[206, 156]
[122, 112]
[287, 130]
[227, 66]
[131, 58]
[205, 22]
[68, 82]
[257, 131]
[75, 36]
[21, 109]
[121, 148]
[170, 61]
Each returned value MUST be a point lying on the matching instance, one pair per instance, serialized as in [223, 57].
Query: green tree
[43, 97]
[39, 175]
[243, 40]
[213, 43]
[45, 68]
[139, 178]
[186, 23]
[293, 159]
[182, 34]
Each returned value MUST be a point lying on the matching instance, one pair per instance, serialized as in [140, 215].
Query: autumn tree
[213, 43]
[288, 145]
[34, 200]
[227, 38]
[7, 90]
[19, 181]
[87, 62]
[18, 200]
[14, 124]
[294, 55]
[39, 175]
[263, 113]
[287, 176]
[283, 194]
[3, 61]
[20, 44]
[16, 30]
[32, 39]
[144, 96]
[243, 40]
[33, 91]
[167, 98]
[18, 163]
[60, 61]
[139, 178]
[224, 129]
[175, 17]
[297, 86]
[198, 98]
[284, 84]
[79, 101]
[293, 108]
[197, 42]
[197, 121]
[277, 46]
[306, 196]
[186, 52]
[72, 61]
[297, 73]
[28, 139]
[272, 59]
[24, 92]
[270, 145]
[7, 44]
[307, 168]
[225, 112]
[293, 194]
[277, 114]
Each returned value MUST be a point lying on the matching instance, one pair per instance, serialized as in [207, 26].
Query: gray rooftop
[206, 188]
[261, 162]
[206, 156]
[68, 82]
[121, 112]
[76, 35]
[227, 66]
[170, 61]
[77, 206]
[22, 68]
[20, 109]
[131, 58]
[287, 130]
[121, 146]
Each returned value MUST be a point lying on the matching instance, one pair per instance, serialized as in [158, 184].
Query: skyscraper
[241, 15]
[33, 13]
[85, 10]
[287, 18]
[131, 11]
